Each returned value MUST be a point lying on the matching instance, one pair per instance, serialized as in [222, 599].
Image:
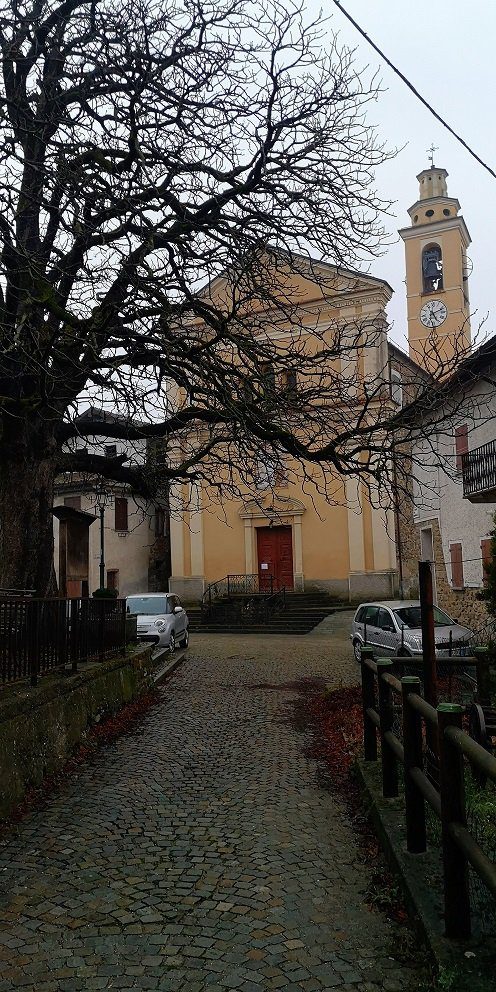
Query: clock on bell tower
[436, 274]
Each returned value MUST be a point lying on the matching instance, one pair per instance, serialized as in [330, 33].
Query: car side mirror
[178, 609]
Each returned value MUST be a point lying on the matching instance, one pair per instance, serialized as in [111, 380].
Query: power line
[414, 90]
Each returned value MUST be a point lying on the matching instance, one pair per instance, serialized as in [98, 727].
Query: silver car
[161, 619]
[394, 630]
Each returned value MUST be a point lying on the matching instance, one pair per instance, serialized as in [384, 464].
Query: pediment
[272, 507]
[308, 282]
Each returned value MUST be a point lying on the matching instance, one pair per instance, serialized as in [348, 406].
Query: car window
[410, 616]
[359, 615]
[151, 605]
[384, 620]
[441, 619]
[370, 615]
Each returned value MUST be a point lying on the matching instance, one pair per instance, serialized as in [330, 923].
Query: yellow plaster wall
[223, 541]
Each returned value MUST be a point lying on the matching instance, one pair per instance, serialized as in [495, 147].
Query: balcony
[479, 474]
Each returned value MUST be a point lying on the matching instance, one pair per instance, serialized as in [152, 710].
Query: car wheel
[357, 651]
[172, 642]
[185, 639]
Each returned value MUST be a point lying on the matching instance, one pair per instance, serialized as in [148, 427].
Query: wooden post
[456, 892]
[386, 713]
[368, 702]
[416, 841]
[428, 637]
[483, 669]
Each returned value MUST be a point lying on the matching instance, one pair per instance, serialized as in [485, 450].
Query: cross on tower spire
[430, 152]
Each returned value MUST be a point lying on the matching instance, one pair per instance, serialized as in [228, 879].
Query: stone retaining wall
[41, 726]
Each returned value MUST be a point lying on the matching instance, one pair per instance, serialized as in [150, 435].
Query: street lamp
[102, 498]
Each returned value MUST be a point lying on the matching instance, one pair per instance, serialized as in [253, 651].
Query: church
[347, 548]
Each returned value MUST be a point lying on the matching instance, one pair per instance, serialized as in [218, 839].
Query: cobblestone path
[199, 852]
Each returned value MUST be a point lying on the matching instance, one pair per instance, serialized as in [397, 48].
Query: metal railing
[479, 469]
[240, 585]
[39, 635]
[453, 748]
[237, 598]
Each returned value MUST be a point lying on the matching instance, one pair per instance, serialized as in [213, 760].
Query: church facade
[344, 546]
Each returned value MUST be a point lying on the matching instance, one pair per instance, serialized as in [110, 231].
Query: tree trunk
[27, 474]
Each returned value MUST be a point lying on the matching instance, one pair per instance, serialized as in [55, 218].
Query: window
[110, 451]
[385, 620]
[487, 557]
[396, 388]
[113, 578]
[411, 617]
[456, 566]
[267, 379]
[290, 384]
[461, 445]
[73, 501]
[369, 615]
[426, 544]
[265, 475]
[148, 605]
[121, 515]
[432, 269]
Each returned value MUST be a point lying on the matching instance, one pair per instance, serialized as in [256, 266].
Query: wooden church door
[275, 556]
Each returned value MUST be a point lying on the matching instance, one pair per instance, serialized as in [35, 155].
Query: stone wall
[464, 605]
[40, 726]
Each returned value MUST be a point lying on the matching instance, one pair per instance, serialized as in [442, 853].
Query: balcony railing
[479, 474]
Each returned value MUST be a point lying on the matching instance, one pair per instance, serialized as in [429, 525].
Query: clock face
[433, 313]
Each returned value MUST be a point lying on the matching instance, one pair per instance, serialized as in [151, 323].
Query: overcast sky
[446, 49]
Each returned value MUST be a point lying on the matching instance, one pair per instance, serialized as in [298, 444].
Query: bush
[105, 593]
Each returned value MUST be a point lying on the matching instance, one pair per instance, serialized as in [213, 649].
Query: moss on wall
[41, 726]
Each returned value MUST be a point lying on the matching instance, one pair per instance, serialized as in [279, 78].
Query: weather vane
[430, 152]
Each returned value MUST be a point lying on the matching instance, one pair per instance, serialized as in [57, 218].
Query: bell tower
[436, 274]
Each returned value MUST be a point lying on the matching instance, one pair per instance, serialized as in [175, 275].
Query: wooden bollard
[386, 713]
[456, 891]
[368, 702]
[416, 840]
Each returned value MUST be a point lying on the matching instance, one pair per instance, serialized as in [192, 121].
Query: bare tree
[149, 150]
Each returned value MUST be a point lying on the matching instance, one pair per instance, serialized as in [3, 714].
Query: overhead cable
[415, 90]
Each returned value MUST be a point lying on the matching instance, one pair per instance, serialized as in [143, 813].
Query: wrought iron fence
[39, 635]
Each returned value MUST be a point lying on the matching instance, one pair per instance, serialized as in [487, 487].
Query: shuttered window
[461, 444]
[486, 557]
[121, 513]
[456, 566]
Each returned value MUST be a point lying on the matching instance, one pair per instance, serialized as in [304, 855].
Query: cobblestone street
[199, 852]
